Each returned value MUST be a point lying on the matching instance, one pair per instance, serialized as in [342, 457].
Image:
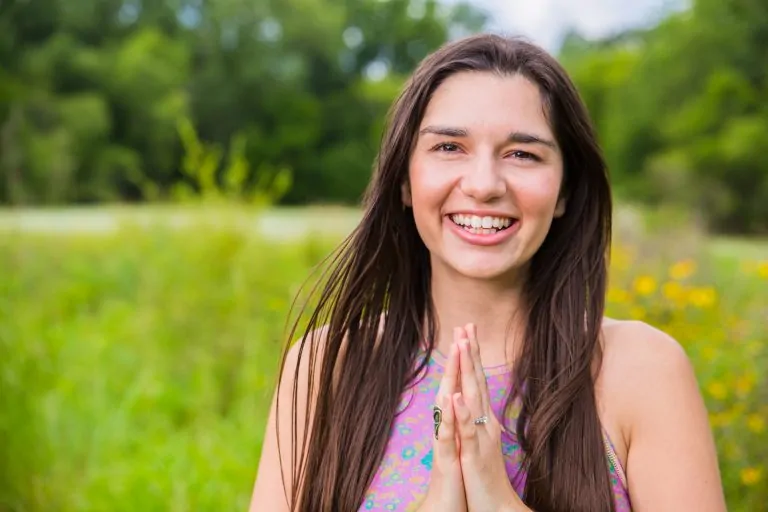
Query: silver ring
[482, 420]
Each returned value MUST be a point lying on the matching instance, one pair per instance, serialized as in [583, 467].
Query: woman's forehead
[487, 102]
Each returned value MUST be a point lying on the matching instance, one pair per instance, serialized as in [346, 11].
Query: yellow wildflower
[717, 390]
[617, 296]
[762, 269]
[716, 420]
[751, 475]
[745, 384]
[703, 297]
[755, 423]
[682, 269]
[672, 291]
[645, 285]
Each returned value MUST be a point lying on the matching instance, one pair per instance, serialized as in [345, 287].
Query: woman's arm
[266, 493]
[671, 460]
[269, 492]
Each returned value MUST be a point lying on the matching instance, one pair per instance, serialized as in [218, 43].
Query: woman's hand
[486, 482]
[446, 487]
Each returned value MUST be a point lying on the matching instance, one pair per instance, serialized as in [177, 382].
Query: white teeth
[481, 225]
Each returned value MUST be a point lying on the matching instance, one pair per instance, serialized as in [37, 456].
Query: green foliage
[97, 93]
[90, 98]
[136, 368]
[202, 164]
[681, 111]
[141, 378]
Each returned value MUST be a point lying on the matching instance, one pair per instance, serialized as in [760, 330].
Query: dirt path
[278, 223]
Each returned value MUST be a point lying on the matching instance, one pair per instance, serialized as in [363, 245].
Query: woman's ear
[560, 207]
[405, 190]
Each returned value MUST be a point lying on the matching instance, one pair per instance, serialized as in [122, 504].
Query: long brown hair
[382, 271]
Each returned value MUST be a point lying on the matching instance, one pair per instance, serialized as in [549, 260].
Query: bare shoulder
[268, 491]
[640, 365]
[634, 354]
[637, 350]
[651, 397]
[289, 415]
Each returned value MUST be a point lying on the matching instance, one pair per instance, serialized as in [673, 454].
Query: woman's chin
[484, 270]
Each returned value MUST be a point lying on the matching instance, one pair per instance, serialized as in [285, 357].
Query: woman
[459, 359]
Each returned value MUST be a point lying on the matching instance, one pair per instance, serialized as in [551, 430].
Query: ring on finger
[437, 417]
[482, 420]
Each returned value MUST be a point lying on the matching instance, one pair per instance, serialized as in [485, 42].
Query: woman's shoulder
[303, 360]
[637, 358]
[649, 396]
[644, 373]
[633, 343]
[310, 349]
[634, 351]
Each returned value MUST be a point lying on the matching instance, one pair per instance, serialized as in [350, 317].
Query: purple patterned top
[401, 481]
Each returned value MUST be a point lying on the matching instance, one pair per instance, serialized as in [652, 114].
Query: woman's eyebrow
[444, 130]
[519, 137]
[527, 138]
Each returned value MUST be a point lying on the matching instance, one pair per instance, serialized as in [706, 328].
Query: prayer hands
[486, 483]
[468, 472]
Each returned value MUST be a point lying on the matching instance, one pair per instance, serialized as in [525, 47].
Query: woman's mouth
[477, 225]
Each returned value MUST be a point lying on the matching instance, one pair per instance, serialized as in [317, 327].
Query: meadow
[136, 364]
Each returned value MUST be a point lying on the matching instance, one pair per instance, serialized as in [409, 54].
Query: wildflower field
[136, 367]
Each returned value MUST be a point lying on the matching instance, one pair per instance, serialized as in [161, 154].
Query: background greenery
[92, 94]
[139, 343]
[136, 366]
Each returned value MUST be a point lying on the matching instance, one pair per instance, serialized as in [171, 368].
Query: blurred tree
[681, 110]
[92, 93]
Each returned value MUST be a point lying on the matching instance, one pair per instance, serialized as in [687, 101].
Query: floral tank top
[402, 479]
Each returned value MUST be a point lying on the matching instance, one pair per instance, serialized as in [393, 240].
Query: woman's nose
[482, 180]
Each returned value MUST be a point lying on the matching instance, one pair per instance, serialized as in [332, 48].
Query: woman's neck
[493, 308]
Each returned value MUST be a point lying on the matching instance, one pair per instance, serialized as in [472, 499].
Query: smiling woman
[473, 160]
[459, 358]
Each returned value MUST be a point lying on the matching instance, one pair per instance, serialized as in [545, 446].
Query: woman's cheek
[537, 195]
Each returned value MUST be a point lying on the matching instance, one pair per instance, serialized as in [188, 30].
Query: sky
[546, 21]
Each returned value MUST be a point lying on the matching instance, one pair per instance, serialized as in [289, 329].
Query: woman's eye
[524, 155]
[447, 147]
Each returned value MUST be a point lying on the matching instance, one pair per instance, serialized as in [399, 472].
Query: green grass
[136, 366]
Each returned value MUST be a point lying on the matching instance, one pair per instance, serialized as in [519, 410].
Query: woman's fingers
[482, 383]
[470, 443]
[445, 444]
[450, 381]
[444, 416]
[470, 388]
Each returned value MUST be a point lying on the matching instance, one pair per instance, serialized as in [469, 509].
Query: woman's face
[485, 175]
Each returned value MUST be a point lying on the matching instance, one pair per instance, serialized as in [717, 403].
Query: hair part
[382, 271]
